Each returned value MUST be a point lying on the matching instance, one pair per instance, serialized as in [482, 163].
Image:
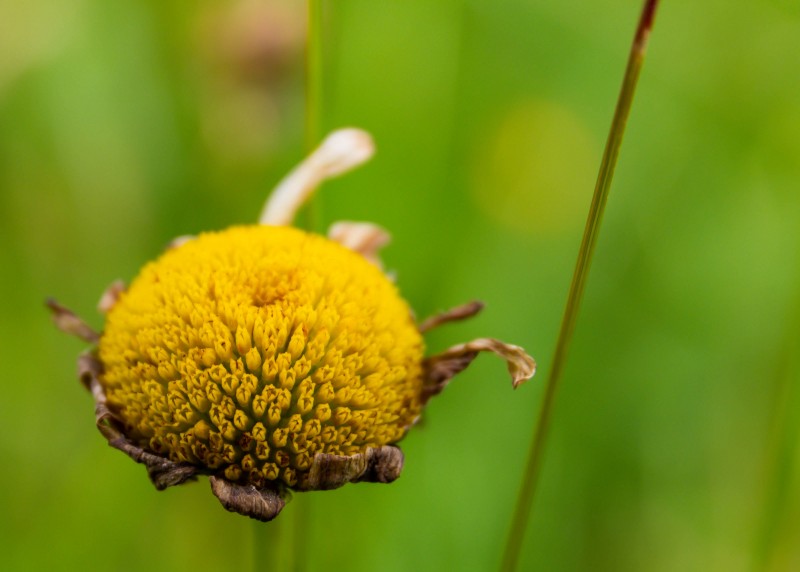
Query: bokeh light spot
[535, 172]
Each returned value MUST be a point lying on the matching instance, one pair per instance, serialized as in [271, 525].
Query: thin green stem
[267, 540]
[313, 74]
[313, 103]
[780, 463]
[300, 516]
[541, 430]
[296, 521]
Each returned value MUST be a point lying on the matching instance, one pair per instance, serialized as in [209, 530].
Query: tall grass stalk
[313, 102]
[267, 542]
[541, 429]
[278, 545]
[313, 221]
[773, 547]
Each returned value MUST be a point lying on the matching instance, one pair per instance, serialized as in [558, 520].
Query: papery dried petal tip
[344, 150]
[438, 370]
[110, 296]
[362, 237]
[89, 370]
[179, 241]
[66, 321]
[340, 152]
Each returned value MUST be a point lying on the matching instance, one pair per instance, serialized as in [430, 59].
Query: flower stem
[781, 464]
[531, 476]
[313, 103]
[300, 515]
[295, 522]
[267, 540]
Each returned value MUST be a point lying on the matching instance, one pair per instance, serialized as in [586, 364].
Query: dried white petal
[340, 152]
[179, 241]
[110, 296]
[362, 237]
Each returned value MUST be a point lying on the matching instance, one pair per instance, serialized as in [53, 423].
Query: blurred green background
[675, 445]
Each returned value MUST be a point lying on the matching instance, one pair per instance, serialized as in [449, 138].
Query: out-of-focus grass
[125, 124]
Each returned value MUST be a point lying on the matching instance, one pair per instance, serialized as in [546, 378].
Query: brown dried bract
[381, 465]
[261, 504]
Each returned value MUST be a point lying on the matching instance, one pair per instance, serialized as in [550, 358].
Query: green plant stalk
[267, 541]
[313, 102]
[296, 524]
[541, 429]
[780, 463]
[277, 545]
[299, 533]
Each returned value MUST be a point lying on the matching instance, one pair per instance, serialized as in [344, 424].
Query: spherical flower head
[269, 358]
[249, 351]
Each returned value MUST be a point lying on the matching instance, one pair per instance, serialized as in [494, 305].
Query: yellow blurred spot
[535, 172]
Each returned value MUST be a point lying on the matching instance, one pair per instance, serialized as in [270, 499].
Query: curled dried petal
[340, 152]
[438, 370]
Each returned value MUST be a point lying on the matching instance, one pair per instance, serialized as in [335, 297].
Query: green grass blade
[313, 102]
[591, 232]
[777, 526]
[266, 548]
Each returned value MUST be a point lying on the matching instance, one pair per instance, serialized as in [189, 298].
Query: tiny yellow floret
[248, 351]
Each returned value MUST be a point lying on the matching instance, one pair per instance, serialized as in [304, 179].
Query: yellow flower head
[267, 357]
[253, 349]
